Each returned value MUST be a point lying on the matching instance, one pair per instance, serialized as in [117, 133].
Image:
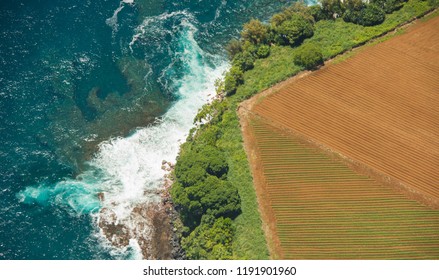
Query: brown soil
[321, 209]
[377, 112]
[265, 210]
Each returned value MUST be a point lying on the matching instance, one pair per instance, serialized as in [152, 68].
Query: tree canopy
[201, 187]
[294, 30]
[309, 57]
[212, 240]
[371, 15]
[255, 32]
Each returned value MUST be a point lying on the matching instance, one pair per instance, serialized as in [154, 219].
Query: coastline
[243, 93]
[156, 231]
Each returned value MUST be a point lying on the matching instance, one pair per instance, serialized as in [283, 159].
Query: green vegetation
[255, 32]
[244, 60]
[309, 57]
[359, 12]
[211, 240]
[213, 188]
[293, 30]
[201, 189]
[388, 6]
[371, 15]
[233, 79]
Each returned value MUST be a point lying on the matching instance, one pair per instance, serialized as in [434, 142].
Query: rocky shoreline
[155, 225]
[172, 218]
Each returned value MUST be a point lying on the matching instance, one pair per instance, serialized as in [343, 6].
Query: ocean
[93, 96]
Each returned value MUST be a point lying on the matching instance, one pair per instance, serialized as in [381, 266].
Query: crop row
[331, 212]
[378, 108]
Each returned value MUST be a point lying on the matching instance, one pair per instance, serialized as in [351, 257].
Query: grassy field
[324, 210]
[249, 240]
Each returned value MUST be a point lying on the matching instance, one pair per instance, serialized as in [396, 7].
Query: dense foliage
[213, 187]
[359, 12]
[211, 240]
[388, 6]
[233, 79]
[201, 188]
[332, 8]
[255, 32]
[371, 15]
[294, 30]
[289, 27]
[309, 57]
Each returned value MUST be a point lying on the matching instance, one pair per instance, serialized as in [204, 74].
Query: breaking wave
[126, 172]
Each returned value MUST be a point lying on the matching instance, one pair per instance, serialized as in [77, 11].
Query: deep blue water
[81, 86]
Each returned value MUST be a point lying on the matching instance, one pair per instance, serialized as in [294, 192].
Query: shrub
[309, 57]
[317, 13]
[352, 16]
[190, 171]
[278, 19]
[353, 5]
[234, 47]
[211, 112]
[195, 166]
[212, 240]
[388, 6]
[352, 11]
[298, 8]
[255, 32]
[244, 60]
[249, 47]
[367, 15]
[331, 8]
[263, 51]
[200, 186]
[214, 160]
[221, 199]
[294, 30]
[212, 196]
[233, 79]
[209, 137]
[230, 84]
[371, 15]
[431, 3]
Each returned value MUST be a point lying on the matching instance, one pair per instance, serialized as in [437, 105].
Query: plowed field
[324, 210]
[346, 159]
[379, 109]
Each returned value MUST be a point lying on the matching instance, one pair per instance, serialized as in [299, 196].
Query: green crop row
[337, 221]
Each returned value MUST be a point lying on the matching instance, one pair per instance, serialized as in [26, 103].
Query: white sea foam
[112, 21]
[127, 171]
[133, 164]
[155, 24]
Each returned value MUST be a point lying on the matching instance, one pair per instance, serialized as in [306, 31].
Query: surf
[126, 173]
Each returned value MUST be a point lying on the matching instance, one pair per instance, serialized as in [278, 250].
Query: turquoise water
[93, 96]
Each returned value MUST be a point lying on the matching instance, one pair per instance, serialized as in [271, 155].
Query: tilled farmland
[346, 159]
[380, 108]
[324, 210]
